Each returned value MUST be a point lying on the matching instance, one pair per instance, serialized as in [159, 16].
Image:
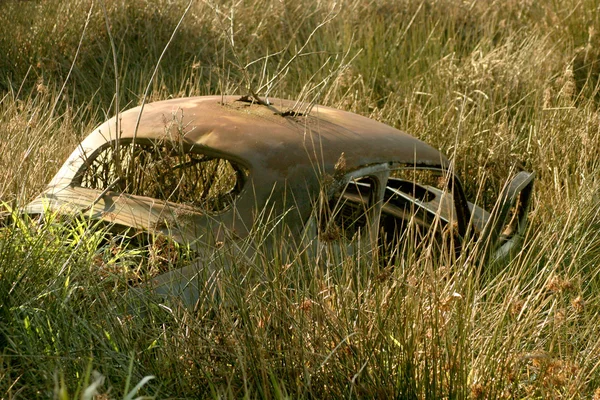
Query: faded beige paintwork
[287, 157]
[282, 153]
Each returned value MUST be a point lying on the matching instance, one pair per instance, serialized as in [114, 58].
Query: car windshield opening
[165, 171]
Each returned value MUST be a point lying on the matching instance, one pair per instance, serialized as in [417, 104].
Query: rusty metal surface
[287, 158]
[285, 155]
[142, 213]
[268, 142]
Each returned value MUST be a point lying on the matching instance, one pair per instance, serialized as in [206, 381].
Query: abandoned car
[202, 170]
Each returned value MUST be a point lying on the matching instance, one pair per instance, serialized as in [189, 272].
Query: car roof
[270, 137]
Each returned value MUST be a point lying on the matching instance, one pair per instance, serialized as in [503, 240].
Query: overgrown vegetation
[499, 86]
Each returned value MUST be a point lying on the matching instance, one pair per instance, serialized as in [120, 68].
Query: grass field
[499, 86]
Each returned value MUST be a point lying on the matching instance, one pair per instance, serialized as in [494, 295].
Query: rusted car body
[201, 169]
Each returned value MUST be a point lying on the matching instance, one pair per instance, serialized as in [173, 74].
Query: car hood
[119, 209]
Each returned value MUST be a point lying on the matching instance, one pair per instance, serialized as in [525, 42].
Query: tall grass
[499, 86]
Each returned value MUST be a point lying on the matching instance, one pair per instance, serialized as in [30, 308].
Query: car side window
[415, 206]
[347, 213]
[418, 207]
[166, 172]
